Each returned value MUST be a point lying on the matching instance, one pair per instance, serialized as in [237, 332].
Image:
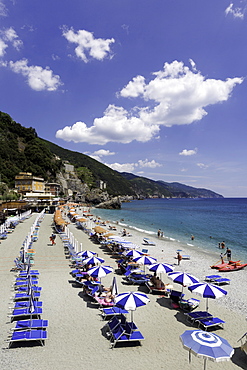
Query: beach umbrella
[93, 261]
[133, 253]
[99, 271]
[206, 345]
[114, 289]
[145, 260]
[99, 230]
[161, 267]
[207, 290]
[183, 278]
[86, 254]
[131, 300]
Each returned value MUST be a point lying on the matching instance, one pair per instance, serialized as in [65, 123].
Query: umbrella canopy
[161, 267]
[100, 271]
[86, 254]
[133, 253]
[145, 260]
[207, 345]
[93, 261]
[207, 291]
[183, 278]
[131, 300]
[99, 229]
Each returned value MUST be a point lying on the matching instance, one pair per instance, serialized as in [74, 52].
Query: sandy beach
[75, 333]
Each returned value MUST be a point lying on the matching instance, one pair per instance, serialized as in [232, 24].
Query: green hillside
[21, 150]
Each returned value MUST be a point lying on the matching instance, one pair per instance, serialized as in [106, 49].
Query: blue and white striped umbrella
[145, 260]
[183, 278]
[93, 261]
[86, 254]
[161, 267]
[207, 345]
[100, 271]
[207, 291]
[131, 300]
[133, 253]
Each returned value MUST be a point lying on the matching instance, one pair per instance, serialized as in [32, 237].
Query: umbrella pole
[205, 363]
[207, 305]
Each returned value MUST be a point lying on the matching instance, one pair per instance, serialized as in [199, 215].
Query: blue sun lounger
[30, 324]
[113, 311]
[125, 334]
[23, 289]
[25, 304]
[28, 335]
[24, 312]
[25, 297]
[210, 322]
[211, 278]
[198, 315]
[221, 281]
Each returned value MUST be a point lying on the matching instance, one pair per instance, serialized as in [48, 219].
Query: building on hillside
[53, 188]
[26, 182]
[101, 184]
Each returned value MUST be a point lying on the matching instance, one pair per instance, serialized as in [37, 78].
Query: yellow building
[26, 182]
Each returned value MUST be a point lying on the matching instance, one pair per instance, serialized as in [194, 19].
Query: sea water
[210, 221]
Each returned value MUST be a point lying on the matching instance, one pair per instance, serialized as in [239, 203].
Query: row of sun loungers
[27, 309]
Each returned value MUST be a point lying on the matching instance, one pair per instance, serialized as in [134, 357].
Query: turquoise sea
[210, 221]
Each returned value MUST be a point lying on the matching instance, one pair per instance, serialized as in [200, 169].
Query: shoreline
[198, 264]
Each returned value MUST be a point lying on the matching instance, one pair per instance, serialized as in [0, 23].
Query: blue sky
[156, 88]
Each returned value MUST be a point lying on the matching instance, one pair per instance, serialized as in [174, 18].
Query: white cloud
[149, 164]
[126, 167]
[88, 45]
[179, 94]
[134, 88]
[202, 165]
[38, 78]
[9, 36]
[3, 46]
[175, 96]
[116, 125]
[236, 12]
[189, 152]
[3, 9]
[98, 154]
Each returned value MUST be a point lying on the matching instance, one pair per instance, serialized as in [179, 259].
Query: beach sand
[75, 333]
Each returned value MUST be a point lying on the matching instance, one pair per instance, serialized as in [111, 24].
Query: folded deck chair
[30, 324]
[176, 296]
[25, 312]
[25, 297]
[28, 335]
[210, 322]
[197, 315]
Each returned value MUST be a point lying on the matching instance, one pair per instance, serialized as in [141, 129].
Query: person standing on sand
[158, 233]
[52, 239]
[179, 257]
[228, 254]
